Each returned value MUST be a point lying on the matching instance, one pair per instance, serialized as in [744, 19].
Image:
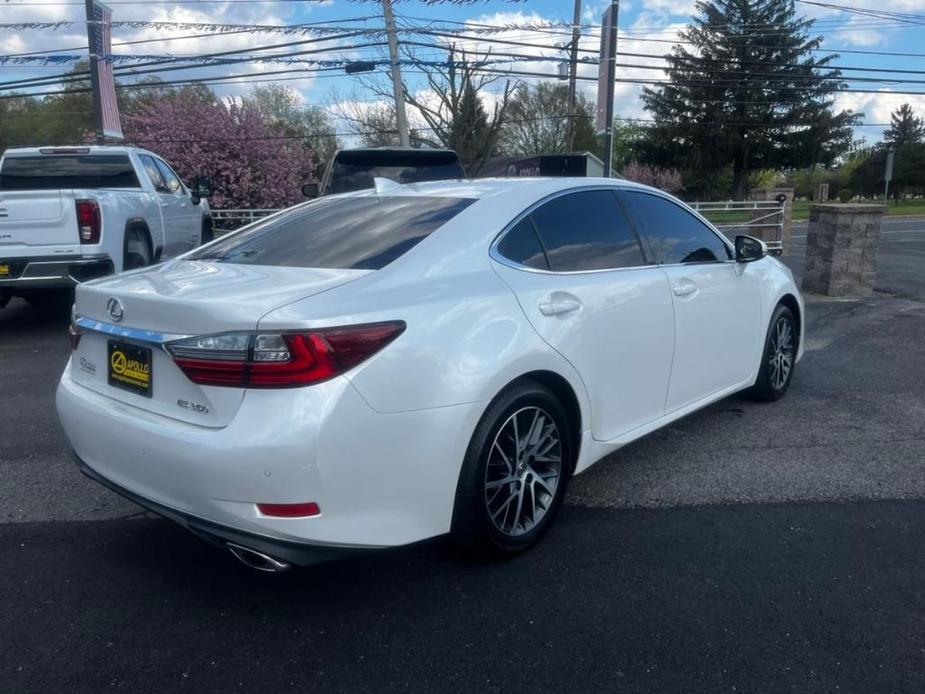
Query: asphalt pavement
[748, 547]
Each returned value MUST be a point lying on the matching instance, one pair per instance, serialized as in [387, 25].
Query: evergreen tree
[746, 92]
[905, 128]
[469, 131]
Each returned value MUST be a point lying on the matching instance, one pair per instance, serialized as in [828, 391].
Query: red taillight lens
[281, 360]
[73, 337]
[88, 221]
[290, 510]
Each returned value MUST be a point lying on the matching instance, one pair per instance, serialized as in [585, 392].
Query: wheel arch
[790, 301]
[564, 392]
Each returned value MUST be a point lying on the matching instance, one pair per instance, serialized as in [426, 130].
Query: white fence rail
[224, 221]
[763, 219]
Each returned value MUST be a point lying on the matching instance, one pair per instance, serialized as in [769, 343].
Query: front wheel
[778, 358]
[515, 473]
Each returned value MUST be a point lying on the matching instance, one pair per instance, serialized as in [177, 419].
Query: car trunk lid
[126, 320]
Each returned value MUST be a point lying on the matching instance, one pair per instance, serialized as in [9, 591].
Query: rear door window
[56, 171]
[675, 235]
[587, 230]
[521, 245]
[365, 233]
[171, 180]
[154, 173]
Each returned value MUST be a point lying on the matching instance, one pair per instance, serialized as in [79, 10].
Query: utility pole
[608, 72]
[888, 176]
[572, 78]
[93, 34]
[400, 117]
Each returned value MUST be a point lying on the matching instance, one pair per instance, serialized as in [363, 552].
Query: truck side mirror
[310, 190]
[204, 186]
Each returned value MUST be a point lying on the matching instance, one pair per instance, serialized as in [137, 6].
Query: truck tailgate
[32, 219]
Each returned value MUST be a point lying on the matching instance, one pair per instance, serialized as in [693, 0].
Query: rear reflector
[305, 510]
[88, 221]
[280, 360]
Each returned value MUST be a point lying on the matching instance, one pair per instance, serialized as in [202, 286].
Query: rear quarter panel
[466, 338]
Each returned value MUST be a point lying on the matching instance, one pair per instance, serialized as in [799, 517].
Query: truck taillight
[88, 221]
[280, 360]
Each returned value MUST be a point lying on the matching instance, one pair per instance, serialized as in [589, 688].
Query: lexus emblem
[114, 307]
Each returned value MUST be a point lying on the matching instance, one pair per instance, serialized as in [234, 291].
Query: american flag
[101, 45]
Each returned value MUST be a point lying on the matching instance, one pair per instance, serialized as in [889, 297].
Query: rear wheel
[137, 250]
[778, 358]
[515, 473]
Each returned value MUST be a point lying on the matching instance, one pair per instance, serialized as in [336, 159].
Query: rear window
[356, 170]
[345, 233]
[54, 171]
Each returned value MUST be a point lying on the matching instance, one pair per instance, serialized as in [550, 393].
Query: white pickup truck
[70, 214]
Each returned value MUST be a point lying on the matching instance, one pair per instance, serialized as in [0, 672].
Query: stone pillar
[842, 248]
[767, 233]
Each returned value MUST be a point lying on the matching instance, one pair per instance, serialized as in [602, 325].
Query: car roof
[481, 188]
[51, 150]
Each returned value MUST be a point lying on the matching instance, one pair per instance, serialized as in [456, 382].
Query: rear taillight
[88, 221]
[73, 337]
[280, 360]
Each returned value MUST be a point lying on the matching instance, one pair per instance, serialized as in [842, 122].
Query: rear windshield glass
[53, 171]
[346, 233]
[355, 171]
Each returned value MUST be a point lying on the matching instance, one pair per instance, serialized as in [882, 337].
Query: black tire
[137, 249]
[50, 300]
[207, 234]
[484, 472]
[771, 384]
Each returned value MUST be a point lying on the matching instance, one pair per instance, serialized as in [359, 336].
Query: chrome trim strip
[150, 336]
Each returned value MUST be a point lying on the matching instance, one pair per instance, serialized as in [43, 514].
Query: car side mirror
[749, 249]
[310, 190]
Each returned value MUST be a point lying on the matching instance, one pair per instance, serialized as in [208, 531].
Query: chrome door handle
[557, 308]
[684, 288]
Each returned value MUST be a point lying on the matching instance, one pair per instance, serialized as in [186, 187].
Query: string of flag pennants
[127, 60]
[298, 29]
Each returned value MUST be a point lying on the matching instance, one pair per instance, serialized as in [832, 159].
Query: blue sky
[645, 27]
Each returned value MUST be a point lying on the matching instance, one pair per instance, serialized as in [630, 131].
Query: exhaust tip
[257, 560]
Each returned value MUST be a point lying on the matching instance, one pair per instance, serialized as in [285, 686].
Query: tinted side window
[360, 233]
[170, 178]
[521, 245]
[153, 172]
[675, 235]
[587, 231]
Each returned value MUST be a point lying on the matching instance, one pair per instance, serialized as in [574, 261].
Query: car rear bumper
[53, 272]
[223, 536]
[380, 480]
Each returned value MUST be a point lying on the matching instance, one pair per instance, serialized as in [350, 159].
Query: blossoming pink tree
[252, 165]
[668, 180]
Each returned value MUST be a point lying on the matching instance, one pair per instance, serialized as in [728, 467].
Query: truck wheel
[137, 250]
[206, 235]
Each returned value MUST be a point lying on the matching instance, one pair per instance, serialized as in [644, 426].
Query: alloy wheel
[523, 471]
[780, 356]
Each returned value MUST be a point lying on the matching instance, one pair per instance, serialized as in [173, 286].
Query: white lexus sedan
[372, 369]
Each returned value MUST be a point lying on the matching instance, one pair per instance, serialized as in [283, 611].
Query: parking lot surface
[747, 547]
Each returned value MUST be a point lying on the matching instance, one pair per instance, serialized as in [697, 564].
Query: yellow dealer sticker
[130, 367]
